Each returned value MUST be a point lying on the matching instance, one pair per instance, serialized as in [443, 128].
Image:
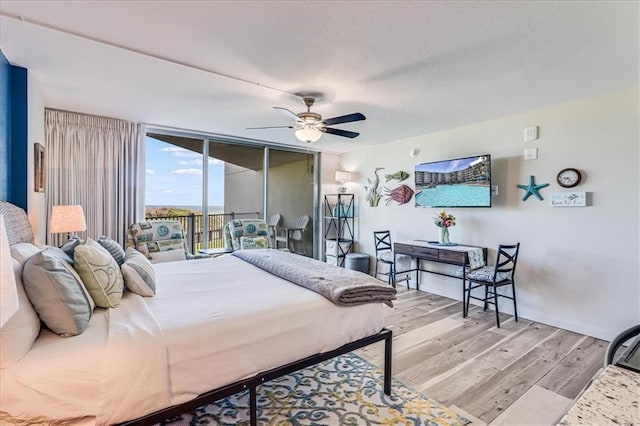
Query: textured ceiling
[410, 67]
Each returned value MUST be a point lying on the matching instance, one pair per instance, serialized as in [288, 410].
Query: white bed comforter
[213, 322]
[116, 369]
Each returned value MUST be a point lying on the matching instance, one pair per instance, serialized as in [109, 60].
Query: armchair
[246, 234]
[160, 241]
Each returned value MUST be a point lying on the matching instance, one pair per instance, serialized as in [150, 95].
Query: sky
[174, 176]
[446, 166]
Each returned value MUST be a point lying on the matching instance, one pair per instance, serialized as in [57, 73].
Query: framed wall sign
[569, 199]
[38, 168]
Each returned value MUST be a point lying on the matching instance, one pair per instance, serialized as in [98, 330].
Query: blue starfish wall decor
[532, 189]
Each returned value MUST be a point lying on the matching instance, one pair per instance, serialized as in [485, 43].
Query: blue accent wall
[13, 133]
[5, 128]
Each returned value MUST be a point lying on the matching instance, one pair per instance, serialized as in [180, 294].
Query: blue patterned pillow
[114, 249]
[247, 243]
[71, 244]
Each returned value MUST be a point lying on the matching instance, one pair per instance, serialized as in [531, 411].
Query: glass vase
[444, 236]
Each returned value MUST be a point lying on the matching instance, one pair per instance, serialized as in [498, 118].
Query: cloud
[187, 172]
[150, 171]
[180, 152]
[198, 162]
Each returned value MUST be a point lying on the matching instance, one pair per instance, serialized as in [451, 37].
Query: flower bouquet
[444, 221]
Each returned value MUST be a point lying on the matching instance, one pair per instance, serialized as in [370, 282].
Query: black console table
[432, 252]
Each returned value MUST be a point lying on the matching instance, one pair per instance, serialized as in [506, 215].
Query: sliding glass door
[241, 183]
[231, 184]
[290, 193]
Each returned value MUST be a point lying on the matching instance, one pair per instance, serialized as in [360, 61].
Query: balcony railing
[193, 227]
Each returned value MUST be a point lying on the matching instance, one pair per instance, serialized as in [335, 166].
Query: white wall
[36, 207]
[329, 163]
[243, 190]
[579, 267]
[291, 195]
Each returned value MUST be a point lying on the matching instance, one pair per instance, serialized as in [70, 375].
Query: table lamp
[343, 177]
[8, 289]
[69, 219]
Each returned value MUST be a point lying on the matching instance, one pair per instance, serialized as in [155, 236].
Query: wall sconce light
[343, 177]
[69, 219]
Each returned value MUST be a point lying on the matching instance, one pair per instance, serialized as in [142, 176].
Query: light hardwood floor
[524, 373]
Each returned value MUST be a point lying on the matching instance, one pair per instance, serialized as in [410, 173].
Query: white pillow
[168, 256]
[21, 330]
[139, 275]
[23, 251]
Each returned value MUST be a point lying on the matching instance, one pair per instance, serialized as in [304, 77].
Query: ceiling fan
[310, 126]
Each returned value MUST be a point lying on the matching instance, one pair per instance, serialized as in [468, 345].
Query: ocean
[195, 209]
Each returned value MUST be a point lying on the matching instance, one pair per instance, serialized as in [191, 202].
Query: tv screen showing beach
[461, 182]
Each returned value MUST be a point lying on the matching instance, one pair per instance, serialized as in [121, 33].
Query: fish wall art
[399, 176]
[401, 194]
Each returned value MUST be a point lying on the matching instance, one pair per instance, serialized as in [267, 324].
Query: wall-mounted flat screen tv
[461, 182]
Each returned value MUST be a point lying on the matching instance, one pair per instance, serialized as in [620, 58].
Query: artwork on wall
[569, 199]
[373, 192]
[38, 168]
[532, 189]
[401, 194]
[399, 176]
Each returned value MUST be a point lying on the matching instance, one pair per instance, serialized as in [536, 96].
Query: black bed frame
[252, 383]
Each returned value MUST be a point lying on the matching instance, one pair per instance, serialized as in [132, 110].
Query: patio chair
[294, 237]
[273, 224]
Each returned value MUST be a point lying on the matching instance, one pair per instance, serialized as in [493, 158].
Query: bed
[202, 337]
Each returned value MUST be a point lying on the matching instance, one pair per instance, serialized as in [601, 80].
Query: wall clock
[568, 178]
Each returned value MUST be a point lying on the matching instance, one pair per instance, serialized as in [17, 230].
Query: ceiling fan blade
[340, 132]
[270, 127]
[292, 115]
[356, 116]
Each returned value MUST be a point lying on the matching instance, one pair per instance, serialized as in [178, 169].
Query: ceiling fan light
[308, 134]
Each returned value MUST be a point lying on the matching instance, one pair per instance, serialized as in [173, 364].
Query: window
[232, 185]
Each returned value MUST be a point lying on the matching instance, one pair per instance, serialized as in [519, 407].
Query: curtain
[96, 162]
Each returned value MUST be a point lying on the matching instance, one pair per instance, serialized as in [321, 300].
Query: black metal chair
[385, 255]
[618, 341]
[492, 277]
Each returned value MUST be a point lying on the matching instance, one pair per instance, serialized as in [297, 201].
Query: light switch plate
[494, 190]
[530, 134]
[531, 153]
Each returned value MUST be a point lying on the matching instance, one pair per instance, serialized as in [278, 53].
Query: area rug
[346, 390]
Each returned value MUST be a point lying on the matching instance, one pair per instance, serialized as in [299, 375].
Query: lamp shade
[67, 219]
[308, 134]
[8, 289]
[343, 176]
